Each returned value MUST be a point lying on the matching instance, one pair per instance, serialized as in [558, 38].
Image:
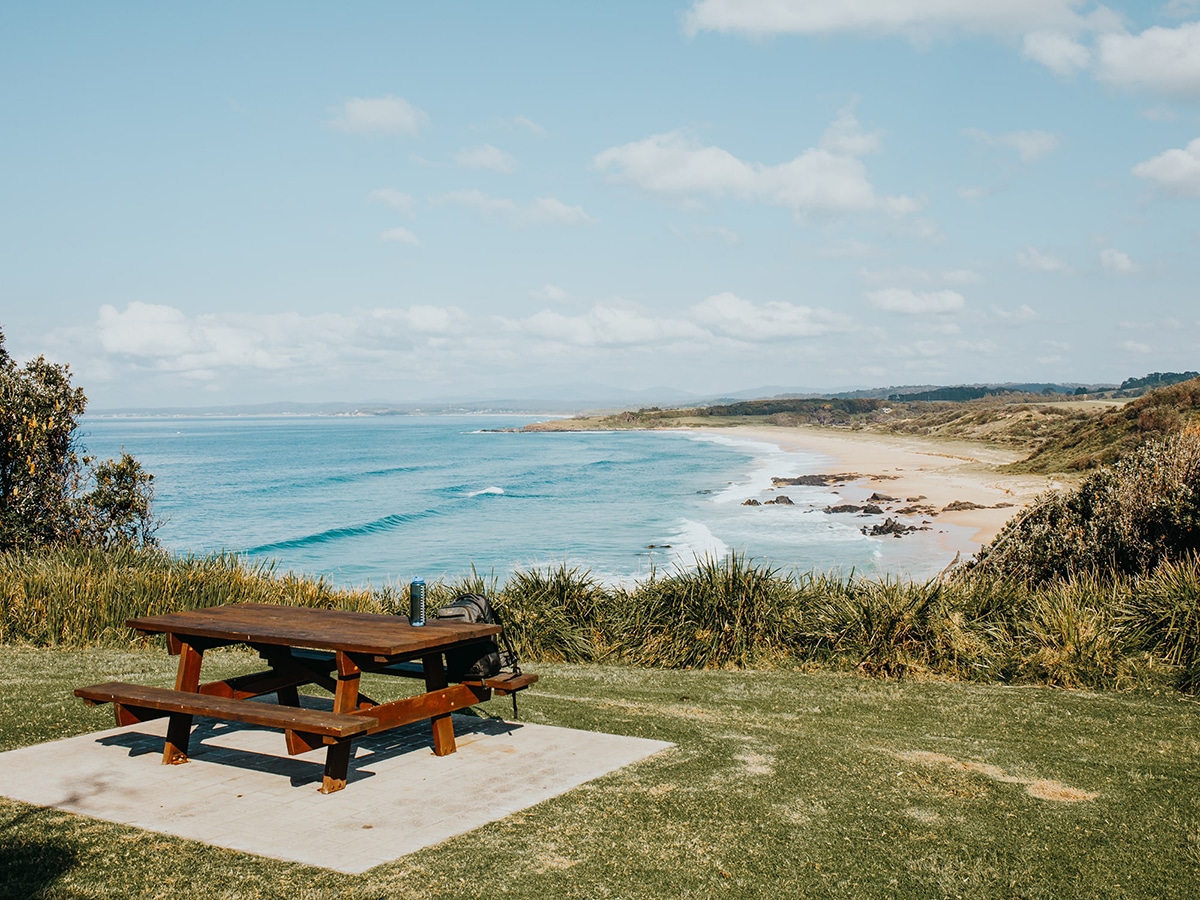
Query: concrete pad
[242, 791]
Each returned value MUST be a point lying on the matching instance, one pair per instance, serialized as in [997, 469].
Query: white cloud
[1030, 145]
[393, 199]
[845, 136]
[1019, 316]
[610, 324]
[970, 194]
[817, 182]
[1136, 347]
[378, 115]
[962, 276]
[915, 303]
[1035, 260]
[1166, 60]
[1060, 53]
[488, 157]
[916, 18]
[550, 293]
[731, 316]
[1175, 172]
[1160, 114]
[531, 125]
[1117, 261]
[542, 211]
[847, 248]
[399, 236]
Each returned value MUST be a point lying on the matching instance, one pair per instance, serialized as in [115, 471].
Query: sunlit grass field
[781, 784]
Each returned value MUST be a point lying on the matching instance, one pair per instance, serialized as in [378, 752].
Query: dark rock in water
[959, 505]
[782, 500]
[872, 510]
[844, 508]
[889, 526]
[881, 498]
[705, 491]
[658, 546]
[751, 502]
[817, 480]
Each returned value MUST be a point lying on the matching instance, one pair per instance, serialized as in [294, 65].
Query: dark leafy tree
[50, 494]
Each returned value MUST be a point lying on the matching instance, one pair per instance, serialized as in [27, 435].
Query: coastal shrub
[49, 492]
[1124, 519]
[1162, 617]
[724, 612]
[973, 633]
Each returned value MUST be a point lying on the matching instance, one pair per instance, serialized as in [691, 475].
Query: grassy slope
[781, 785]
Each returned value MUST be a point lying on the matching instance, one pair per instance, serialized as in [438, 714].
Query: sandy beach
[942, 472]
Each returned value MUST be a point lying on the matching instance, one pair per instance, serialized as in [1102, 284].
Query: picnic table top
[320, 629]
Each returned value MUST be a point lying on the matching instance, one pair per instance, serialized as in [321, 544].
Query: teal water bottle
[416, 602]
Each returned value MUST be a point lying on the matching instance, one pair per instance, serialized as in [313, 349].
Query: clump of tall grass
[724, 612]
[76, 596]
[1162, 617]
[561, 614]
[1069, 636]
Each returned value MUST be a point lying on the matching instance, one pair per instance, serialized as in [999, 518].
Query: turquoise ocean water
[383, 499]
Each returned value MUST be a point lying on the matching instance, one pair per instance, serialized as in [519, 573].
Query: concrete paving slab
[242, 791]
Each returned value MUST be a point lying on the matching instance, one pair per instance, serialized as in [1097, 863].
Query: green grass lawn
[781, 785]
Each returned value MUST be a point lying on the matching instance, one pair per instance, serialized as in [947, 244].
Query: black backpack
[483, 659]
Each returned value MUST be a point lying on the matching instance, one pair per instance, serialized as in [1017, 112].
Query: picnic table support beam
[443, 725]
[179, 726]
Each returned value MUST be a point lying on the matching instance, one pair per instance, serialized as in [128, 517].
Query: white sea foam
[487, 490]
[693, 540]
[769, 461]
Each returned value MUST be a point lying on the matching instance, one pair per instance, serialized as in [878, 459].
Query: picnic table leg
[179, 727]
[443, 725]
[337, 766]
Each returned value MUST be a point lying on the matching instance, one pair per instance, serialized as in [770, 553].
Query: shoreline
[938, 470]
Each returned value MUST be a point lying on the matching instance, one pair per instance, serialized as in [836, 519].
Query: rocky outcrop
[893, 527]
[782, 500]
[817, 480]
[751, 502]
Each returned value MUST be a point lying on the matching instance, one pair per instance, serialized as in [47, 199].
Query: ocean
[382, 499]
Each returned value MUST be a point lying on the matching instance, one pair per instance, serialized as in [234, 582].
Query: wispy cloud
[488, 157]
[393, 199]
[1030, 145]
[915, 303]
[399, 236]
[1036, 261]
[1117, 261]
[542, 211]
[378, 115]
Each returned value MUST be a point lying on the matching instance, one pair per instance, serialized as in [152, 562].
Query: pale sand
[941, 470]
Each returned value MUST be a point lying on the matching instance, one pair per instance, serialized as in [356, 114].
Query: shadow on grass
[30, 865]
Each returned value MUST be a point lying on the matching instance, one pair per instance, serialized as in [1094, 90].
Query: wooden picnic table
[303, 646]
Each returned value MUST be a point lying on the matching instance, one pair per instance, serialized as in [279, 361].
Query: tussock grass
[1082, 631]
[79, 597]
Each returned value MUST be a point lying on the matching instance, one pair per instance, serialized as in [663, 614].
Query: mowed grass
[781, 785]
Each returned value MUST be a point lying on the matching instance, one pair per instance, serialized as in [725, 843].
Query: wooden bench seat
[505, 682]
[305, 729]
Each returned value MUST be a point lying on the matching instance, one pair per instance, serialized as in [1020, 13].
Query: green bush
[1123, 520]
[49, 493]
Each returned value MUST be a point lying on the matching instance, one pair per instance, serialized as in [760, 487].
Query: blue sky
[227, 203]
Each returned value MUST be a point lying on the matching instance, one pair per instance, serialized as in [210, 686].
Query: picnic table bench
[303, 646]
